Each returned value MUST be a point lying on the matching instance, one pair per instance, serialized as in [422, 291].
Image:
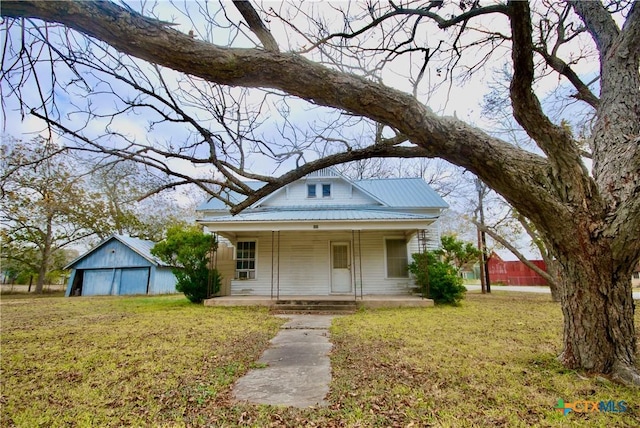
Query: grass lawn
[161, 361]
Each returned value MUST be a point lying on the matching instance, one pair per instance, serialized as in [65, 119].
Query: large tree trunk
[46, 257]
[598, 309]
[552, 270]
[42, 274]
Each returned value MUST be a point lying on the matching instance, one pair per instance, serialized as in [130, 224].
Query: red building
[514, 272]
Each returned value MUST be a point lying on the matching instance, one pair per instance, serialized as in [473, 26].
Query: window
[340, 258]
[636, 275]
[311, 190]
[397, 262]
[246, 260]
[326, 190]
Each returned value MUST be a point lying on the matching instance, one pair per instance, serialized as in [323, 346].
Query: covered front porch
[365, 301]
[328, 263]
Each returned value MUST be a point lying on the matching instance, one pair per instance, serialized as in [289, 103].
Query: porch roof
[316, 215]
[301, 219]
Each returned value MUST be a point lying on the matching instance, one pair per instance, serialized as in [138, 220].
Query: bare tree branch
[527, 109]
[554, 140]
[256, 25]
[420, 12]
[365, 153]
[584, 93]
[599, 23]
[550, 279]
[445, 137]
[631, 31]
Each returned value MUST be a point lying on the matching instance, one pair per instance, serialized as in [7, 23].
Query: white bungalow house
[327, 235]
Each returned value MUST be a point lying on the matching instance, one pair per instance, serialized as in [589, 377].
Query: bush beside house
[437, 279]
[188, 248]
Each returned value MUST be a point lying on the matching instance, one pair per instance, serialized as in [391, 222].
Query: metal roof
[403, 192]
[393, 192]
[317, 215]
[140, 246]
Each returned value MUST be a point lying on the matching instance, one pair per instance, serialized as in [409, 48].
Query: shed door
[97, 282]
[340, 268]
[134, 281]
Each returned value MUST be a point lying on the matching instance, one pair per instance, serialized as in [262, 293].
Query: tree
[52, 200]
[21, 261]
[188, 249]
[550, 275]
[439, 271]
[117, 185]
[591, 220]
[45, 207]
[438, 277]
[457, 253]
[121, 187]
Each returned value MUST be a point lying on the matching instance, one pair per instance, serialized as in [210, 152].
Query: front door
[340, 268]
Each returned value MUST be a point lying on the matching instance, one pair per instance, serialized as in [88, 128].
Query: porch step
[327, 306]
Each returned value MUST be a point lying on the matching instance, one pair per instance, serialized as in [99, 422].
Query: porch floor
[367, 301]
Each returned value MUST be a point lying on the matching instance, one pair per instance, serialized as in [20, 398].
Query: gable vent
[324, 172]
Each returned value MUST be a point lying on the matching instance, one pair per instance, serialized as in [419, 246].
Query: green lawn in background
[161, 361]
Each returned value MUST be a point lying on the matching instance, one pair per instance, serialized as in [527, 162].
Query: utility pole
[482, 241]
[483, 279]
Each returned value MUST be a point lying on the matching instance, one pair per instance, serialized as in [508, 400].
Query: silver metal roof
[317, 215]
[140, 246]
[394, 192]
[403, 192]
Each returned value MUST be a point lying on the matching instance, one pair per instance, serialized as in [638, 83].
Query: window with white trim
[397, 260]
[326, 190]
[246, 260]
[311, 190]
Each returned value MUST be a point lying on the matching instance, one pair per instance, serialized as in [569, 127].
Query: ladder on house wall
[425, 240]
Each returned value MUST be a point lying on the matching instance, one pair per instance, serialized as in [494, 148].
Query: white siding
[432, 234]
[374, 265]
[342, 193]
[305, 264]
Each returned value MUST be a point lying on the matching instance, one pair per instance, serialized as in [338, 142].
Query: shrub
[439, 280]
[187, 250]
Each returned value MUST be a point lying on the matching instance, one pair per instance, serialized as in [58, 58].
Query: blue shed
[120, 265]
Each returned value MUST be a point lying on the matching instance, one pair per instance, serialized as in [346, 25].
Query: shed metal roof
[140, 246]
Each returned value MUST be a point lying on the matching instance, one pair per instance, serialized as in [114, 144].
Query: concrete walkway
[298, 370]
